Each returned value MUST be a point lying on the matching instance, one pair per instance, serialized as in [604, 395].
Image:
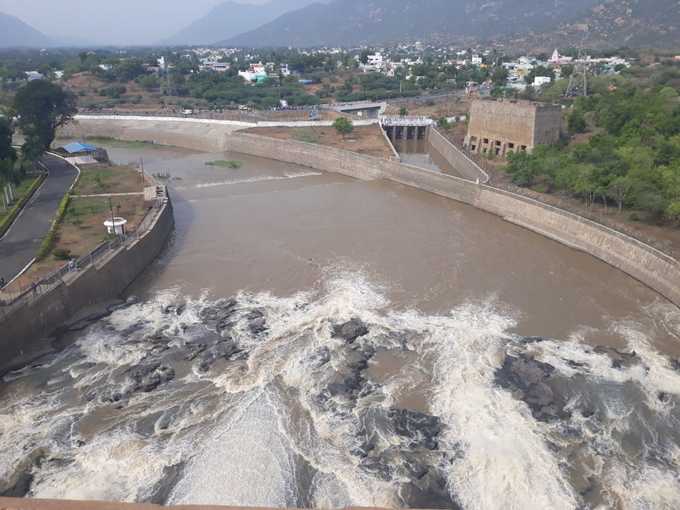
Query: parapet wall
[25, 327]
[648, 265]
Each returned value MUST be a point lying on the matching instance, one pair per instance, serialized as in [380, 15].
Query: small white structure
[115, 226]
[540, 81]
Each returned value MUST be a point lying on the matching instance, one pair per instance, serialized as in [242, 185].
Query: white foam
[251, 180]
[246, 461]
[502, 460]
[114, 467]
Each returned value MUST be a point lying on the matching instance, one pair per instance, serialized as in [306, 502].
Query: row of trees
[632, 159]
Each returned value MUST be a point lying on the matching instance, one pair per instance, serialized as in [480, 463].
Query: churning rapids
[357, 387]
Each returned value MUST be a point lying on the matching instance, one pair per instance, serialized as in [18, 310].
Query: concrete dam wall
[648, 265]
[27, 323]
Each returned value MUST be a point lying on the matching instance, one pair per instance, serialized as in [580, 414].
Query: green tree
[576, 123]
[403, 111]
[343, 126]
[41, 108]
[6, 132]
[499, 76]
[7, 154]
[149, 82]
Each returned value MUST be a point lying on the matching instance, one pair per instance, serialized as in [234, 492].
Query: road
[21, 243]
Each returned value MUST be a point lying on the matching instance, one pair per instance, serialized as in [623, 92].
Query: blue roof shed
[79, 147]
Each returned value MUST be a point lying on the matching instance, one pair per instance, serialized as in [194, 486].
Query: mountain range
[16, 33]
[520, 24]
[354, 22]
[230, 19]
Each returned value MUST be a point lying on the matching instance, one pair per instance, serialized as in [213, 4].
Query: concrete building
[502, 127]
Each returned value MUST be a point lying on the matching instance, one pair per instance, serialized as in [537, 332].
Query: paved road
[21, 243]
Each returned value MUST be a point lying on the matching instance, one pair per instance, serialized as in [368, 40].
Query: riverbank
[368, 140]
[641, 261]
[97, 277]
[100, 191]
[663, 238]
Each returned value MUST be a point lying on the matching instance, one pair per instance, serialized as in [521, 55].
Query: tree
[148, 82]
[343, 126]
[403, 111]
[619, 189]
[499, 76]
[443, 123]
[6, 132]
[7, 154]
[576, 122]
[41, 108]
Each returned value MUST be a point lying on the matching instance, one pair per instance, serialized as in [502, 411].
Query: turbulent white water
[251, 180]
[262, 400]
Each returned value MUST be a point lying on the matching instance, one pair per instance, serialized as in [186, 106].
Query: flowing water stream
[312, 340]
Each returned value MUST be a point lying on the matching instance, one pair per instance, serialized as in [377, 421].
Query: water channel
[312, 340]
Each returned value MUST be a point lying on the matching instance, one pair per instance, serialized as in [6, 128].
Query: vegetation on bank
[233, 164]
[49, 240]
[24, 190]
[630, 157]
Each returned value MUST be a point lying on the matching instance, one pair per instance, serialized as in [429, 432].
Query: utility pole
[113, 218]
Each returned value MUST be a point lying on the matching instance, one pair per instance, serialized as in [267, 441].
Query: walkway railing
[10, 300]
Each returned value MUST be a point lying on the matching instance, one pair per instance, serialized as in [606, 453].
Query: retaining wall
[206, 135]
[456, 158]
[24, 328]
[197, 134]
[648, 265]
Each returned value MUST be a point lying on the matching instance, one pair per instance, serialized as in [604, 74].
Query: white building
[34, 75]
[539, 81]
[477, 60]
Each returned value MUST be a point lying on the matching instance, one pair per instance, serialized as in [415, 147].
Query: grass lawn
[121, 144]
[21, 190]
[99, 179]
[82, 230]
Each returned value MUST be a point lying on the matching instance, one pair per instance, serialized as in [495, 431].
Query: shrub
[62, 254]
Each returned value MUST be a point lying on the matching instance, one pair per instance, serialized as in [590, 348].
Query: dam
[313, 338]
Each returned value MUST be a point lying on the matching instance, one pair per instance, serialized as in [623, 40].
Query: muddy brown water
[271, 226]
[495, 340]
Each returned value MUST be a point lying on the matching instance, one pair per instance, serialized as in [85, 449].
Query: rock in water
[530, 379]
[350, 331]
[146, 378]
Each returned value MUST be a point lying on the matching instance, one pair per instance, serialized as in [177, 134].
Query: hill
[16, 33]
[230, 19]
[633, 23]
[604, 22]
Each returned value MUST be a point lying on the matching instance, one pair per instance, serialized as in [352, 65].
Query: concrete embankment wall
[197, 134]
[646, 264]
[24, 328]
[456, 158]
[655, 269]
[206, 135]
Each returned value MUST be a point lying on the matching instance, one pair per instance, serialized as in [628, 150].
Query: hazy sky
[120, 22]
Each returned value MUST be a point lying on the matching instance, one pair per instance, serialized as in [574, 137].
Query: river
[312, 340]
